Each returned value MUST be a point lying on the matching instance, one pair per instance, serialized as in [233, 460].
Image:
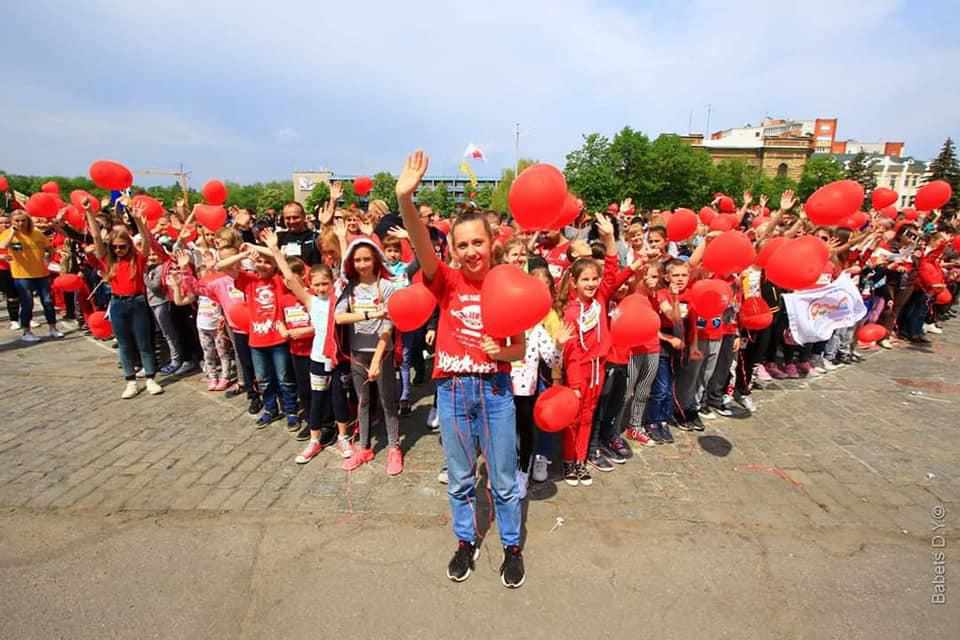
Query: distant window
[782, 170]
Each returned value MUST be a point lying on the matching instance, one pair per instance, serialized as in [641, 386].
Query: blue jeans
[26, 287]
[660, 403]
[130, 318]
[274, 371]
[475, 409]
[413, 344]
[912, 316]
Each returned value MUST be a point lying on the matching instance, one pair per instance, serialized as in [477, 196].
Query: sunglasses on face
[120, 246]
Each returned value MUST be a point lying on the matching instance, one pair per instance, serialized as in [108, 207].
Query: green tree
[384, 188]
[630, 156]
[318, 197]
[679, 175]
[274, 195]
[485, 196]
[945, 167]
[859, 170]
[590, 173]
[733, 177]
[349, 197]
[819, 170]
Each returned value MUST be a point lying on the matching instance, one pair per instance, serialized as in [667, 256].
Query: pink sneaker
[775, 371]
[394, 461]
[222, 384]
[212, 384]
[309, 453]
[761, 374]
[640, 437]
[361, 457]
[791, 371]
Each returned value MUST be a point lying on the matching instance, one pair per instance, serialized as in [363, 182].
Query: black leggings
[10, 293]
[185, 322]
[526, 430]
[241, 346]
[753, 351]
[328, 396]
[301, 375]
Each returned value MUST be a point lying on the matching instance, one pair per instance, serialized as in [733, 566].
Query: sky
[254, 91]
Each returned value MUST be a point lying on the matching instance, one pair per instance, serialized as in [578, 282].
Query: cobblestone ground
[814, 518]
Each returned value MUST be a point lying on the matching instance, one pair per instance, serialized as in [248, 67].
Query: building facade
[458, 186]
[904, 175]
[782, 155]
[304, 181]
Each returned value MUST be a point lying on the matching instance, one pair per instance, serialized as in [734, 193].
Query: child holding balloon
[584, 358]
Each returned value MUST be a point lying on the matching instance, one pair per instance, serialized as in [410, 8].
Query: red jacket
[585, 353]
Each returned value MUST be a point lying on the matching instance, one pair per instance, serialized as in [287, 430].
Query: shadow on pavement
[715, 445]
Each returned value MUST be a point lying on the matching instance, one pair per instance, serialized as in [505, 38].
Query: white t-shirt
[319, 317]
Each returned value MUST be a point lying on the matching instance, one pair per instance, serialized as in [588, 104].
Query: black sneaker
[328, 436]
[304, 433]
[621, 448]
[583, 474]
[255, 406]
[265, 419]
[599, 461]
[570, 474]
[293, 424]
[665, 433]
[696, 423]
[405, 408]
[685, 425]
[461, 564]
[653, 432]
[612, 455]
[512, 574]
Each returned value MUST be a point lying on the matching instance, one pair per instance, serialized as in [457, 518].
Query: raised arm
[141, 221]
[99, 248]
[293, 282]
[413, 172]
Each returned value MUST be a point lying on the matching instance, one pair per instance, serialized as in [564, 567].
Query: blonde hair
[230, 236]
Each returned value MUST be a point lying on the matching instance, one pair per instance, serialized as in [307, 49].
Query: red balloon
[213, 217]
[634, 322]
[512, 301]
[411, 307]
[556, 408]
[933, 195]
[75, 218]
[882, 197]
[682, 225]
[723, 222]
[68, 282]
[944, 297]
[4, 185]
[871, 333]
[214, 192]
[152, 208]
[856, 221]
[50, 187]
[707, 215]
[111, 175]
[77, 196]
[834, 202]
[755, 314]
[443, 226]
[729, 252]
[43, 205]
[362, 185]
[99, 325]
[569, 213]
[767, 250]
[726, 204]
[537, 195]
[889, 212]
[710, 297]
[798, 263]
[613, 209]
[239, 316]
[910, 214]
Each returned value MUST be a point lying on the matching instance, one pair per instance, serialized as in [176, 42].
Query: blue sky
[254, 91]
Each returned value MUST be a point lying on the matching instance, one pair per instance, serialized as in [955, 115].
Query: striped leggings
[641, 371]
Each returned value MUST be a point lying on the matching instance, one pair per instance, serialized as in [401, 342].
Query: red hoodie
[585, 353]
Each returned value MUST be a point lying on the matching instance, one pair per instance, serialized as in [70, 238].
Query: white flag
[815, 313]
[474, 152]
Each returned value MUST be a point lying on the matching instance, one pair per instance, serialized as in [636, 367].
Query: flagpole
[516, 153]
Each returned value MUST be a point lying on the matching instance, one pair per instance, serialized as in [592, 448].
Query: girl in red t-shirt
[642, 368]
[584, 357]
[123, 264]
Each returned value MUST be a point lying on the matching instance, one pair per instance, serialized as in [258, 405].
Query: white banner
[815, 313]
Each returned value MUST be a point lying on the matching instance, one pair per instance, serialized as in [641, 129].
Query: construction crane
[183, 178]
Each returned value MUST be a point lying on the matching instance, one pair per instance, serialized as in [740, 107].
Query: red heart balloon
[707, 215]
[214, 192]
[110, 175]
[871, 333]
[556, 408]
[755, 314]
[362, 185]
[239, 317]
[68, 282]
[682, 225]
[50, 187]
[944, 297]
[834, 202]
[798, 263]
[729, 252]
[569, 213]
[726, 204]
[723, 222]
[882, 197]
[411, 307]
[75, 218]
[710, 297]
[856, 221]
[512, 301]
[537, 195]
[889, 212]
[634, 322]
[933, 195]
[99, 325]
[4, 184]
[213, 217]
[77, 196]
[767, 250]
[152, 208]
[43, 205]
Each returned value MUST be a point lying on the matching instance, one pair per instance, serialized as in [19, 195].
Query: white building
[903, 175]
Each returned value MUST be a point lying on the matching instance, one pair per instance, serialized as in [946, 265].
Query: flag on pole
[466, 170]
[474, 153]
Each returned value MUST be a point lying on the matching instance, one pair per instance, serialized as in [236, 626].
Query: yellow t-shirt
[27, 253]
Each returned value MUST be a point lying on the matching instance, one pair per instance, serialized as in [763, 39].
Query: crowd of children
[292, 312]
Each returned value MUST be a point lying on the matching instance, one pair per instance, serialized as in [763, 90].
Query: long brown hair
[570, 277]
[112, 259]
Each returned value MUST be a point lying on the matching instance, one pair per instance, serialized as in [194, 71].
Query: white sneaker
[29, 337]
[522, 480]
[141, 374]
[54, 333]
[343, 447]
[932, 328]
[153, 388]
[433, 420]
[540, 464]
[14, 326]
[829, 366]
[442, 476]
[747, 403]
[130, 390]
